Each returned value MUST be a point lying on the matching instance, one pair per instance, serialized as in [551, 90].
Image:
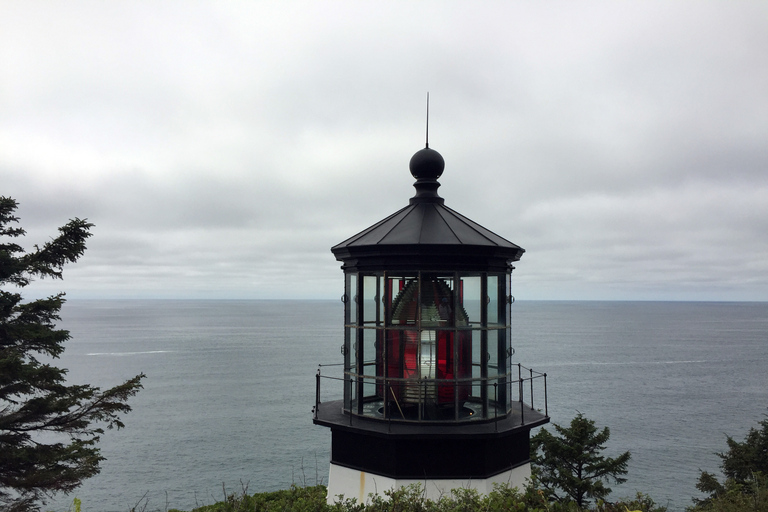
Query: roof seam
[405, 216]
[472, 224]
[448, 225]
[421, 226]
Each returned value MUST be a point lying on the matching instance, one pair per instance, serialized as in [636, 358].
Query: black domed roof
[426, 234]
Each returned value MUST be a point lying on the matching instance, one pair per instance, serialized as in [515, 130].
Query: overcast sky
[221, 148]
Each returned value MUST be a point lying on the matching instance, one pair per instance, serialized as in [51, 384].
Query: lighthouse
[430, 392]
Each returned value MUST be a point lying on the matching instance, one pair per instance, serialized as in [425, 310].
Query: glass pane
[350, 366]
[507, 305]
[353, 395]
[437, 301]
[504, 350]
[493, 300]
[369, 352]
[369, 369]
[504, 380]
[351, 299]
[403, 293]
[493, 352]
[382, 299]
[503, 305]
[403, 357]
[370, 300]
[477, 371]
[394, 364]
[469, 298]
[357, 355]
[392, 289]
[350, 361]
[464, 363]
[454, 362]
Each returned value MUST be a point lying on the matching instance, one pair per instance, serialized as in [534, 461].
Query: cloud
[222, 148]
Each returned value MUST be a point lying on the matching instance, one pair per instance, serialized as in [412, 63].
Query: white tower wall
[352, 483]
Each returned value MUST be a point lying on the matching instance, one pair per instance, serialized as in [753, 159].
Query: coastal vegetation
[745, 468]
[411, 499]
[569, 472]
[744, 488]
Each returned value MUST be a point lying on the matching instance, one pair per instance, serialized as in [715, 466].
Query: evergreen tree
[744, 465]
[571, 467]
[48, 430]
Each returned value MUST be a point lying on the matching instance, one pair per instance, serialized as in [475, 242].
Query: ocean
[227, 402]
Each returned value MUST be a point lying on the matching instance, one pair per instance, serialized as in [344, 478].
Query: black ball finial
[427, 164]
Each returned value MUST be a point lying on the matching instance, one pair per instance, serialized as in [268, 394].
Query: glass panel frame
[388, 316]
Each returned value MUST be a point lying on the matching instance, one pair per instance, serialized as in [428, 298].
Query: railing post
[531, 369]
[546, 410]
[522, 409]
[385, 405]
[496, 406]
[317, 392]
[455, 401]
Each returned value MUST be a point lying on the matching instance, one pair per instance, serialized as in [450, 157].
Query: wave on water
[625, 363]
[129, 353]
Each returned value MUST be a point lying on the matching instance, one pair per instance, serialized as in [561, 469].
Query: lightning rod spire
[427, 119]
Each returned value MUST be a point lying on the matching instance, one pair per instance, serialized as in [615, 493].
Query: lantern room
[430, 391]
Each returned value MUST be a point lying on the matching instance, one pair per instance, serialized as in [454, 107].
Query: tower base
[353, 483]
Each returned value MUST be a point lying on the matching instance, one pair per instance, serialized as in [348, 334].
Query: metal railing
[487, 398]
[533, 376]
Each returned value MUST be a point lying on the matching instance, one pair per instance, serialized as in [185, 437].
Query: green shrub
[295, 499]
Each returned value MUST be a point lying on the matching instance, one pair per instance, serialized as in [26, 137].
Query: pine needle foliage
[745, 467]
[570, 466]
[48, 430]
